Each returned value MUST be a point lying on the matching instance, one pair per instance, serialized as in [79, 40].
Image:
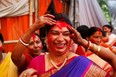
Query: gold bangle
[99, 48]
[89, 45]
[96, 48]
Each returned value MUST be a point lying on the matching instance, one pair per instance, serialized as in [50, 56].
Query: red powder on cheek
[60, 25]
[51, 46]
[50, 41]
[68, 46]
[92, 40]
[40, 46]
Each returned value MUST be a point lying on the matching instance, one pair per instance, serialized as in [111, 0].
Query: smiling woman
[60, 62]
[59, 35]
[60, 58]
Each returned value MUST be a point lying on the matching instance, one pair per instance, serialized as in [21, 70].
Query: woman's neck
[58, 58]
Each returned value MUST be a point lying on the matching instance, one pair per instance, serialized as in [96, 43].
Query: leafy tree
[104, 7]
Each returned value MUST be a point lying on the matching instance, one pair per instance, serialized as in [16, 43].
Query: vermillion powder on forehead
[99, 30]
[33, 36]
[61, 24]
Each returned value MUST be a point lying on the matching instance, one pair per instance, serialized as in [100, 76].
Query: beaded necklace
[58, 68]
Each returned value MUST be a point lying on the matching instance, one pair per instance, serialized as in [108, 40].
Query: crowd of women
[92, 57]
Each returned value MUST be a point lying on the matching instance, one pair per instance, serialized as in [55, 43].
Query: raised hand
[44, 19]
[75, 35]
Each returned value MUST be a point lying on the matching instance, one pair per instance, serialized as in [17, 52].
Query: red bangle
[89, 45]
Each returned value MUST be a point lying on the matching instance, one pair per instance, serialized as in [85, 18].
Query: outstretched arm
[102, 52]
[17, 53]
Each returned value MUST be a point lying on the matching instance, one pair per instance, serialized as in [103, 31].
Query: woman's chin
[61, 51]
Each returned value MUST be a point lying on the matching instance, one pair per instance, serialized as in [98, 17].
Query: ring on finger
[25, 75]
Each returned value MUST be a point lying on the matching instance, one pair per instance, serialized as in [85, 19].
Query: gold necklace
[58, 68]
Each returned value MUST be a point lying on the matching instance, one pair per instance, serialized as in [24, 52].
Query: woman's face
[35, 46]
[107, 30]
[96, 37]
[58, 38]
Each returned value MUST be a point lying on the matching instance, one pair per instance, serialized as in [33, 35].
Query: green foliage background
[104, 6]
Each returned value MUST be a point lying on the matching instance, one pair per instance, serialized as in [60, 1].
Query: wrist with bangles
[24, 43]
[95, 48]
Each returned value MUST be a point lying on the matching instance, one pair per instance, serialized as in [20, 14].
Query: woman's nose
[60, 37]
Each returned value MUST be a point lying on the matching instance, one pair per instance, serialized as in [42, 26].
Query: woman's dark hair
[36, 34]
[103, 33]
[1, 38]
[92, 30]
[109, 26]
[45, 30]
[59, 16]
[83, 30]
[62, 17]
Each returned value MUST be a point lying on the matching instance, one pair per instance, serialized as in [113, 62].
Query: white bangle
[25, 44]
[89, 45]
[99, 48]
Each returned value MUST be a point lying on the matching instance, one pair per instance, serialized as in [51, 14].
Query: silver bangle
[25, 44]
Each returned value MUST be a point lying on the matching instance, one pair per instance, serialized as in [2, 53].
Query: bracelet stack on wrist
[96, 48]
[89, 45]
[25, 44]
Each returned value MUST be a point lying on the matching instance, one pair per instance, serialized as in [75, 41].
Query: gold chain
[60, 66]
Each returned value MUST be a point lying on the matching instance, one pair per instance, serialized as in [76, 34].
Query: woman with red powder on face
[60, 62]
[35, 45]
[83, 30]
[95, 35]
[33, 49]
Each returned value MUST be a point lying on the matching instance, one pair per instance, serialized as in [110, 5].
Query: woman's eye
[38, 42]
[66, 34]
[31, 43]
[54, 33]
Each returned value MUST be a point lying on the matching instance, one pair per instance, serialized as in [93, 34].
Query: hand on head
[44, 19]
[75, 35]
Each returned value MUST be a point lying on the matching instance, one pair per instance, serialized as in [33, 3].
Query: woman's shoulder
[37, 61]
[71, 54]
[38, 58]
